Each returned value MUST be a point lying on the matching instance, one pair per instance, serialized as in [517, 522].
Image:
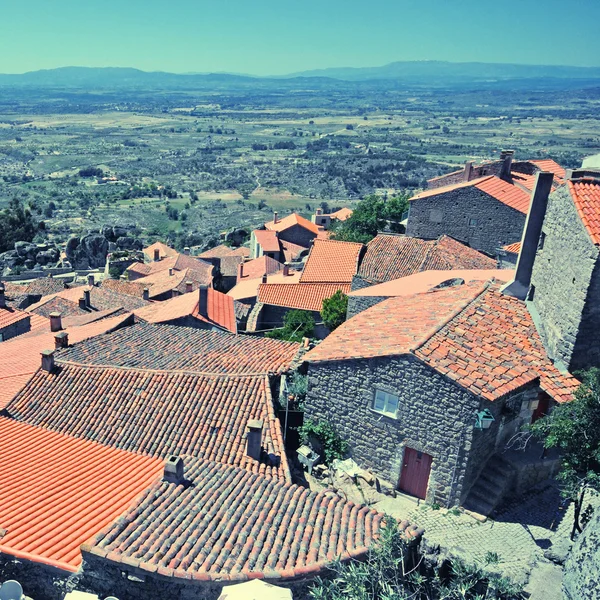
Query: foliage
[297, 324]
[386, 575]
[297, 386]
[114, 272]
[333, 446]
[574, 428]
[334, 310]
[91, 172]
[371, 215]
[16, 225]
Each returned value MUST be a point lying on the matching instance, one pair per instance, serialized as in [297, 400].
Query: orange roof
[508, 194]
[342, 214]
[179, 262]
[290, 221]
[303, 296]
[248, 288]
[424, 281]
[10, 316]
[586, 196]
[549, 165]
[20, 356]
[263, 265]
[331, 261]
[513, 248]
[221, 310]
[292, 251]
[164, 250]
[267, 240]
[484, 341]
[162, 282]
[57, 491]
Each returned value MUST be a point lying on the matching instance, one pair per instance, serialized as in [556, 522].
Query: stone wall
[357, 304]
[297, 235]
[435, 416]
[358, 283]
[18, 328]
[564, 278]
[272, 316]
[452, 212]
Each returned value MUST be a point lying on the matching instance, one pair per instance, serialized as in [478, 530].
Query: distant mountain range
[421, 73]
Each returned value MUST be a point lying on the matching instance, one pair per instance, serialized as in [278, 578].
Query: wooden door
[542, 409]
[415, 473]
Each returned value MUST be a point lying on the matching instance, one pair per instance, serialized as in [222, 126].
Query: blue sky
[265, 37]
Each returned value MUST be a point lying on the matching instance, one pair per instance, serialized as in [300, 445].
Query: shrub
[334, 310]
[333, 446]
[297, 324]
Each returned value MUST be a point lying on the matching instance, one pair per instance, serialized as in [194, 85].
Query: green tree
[364, 223]
[334, 310]
[16, 225]
[297, 324]
[395, 208]
[574, 428]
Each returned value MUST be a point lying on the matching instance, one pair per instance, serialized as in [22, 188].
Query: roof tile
[331, 261]
[303, 296]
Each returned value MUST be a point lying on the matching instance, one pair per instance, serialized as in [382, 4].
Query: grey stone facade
[565, 290]
[296, 234]
[466, 214]
[435, 416]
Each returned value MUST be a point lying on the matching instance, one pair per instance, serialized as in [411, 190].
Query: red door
[415, 473]
[542, 409]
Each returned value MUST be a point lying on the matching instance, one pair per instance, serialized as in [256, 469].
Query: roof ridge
[462, 307]
[235, 375]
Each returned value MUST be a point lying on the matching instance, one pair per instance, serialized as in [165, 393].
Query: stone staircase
[489, 489]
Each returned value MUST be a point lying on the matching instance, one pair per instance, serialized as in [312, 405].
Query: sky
[273, 37]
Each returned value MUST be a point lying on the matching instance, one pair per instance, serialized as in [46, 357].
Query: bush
[297, 324]
[333, 446]
[334, 310]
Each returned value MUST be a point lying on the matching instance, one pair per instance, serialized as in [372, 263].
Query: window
[386, 404]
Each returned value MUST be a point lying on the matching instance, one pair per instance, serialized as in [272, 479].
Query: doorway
[415, 473]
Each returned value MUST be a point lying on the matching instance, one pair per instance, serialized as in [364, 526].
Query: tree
[16, 225]
[297, 324]
[395, 208]
[334, 310]
[574, 428]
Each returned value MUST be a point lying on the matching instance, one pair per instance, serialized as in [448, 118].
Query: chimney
[2, 298]
[203, 300]
[241, 270]
[48, 360]
[189, 287]
[519, 286]
[275, 218]
[286, 269]
[61, 340]
[254, 439]
[156, 254]
[55, 321]
[186, 251]
[173, 472]
[264, 278]
[468, 171]
[319, 212]
[506, 156]
[146, 294]
[170, 272]
[90, 280]
[86, 297]
[82, 305]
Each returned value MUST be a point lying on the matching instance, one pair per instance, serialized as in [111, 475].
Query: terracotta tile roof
[290, 221]
[486, 342]
[513, 248]
[166, 347]
[67, 491]
[221, 310]
[292, 251]
[38, 322]
[390, 257]
[45, 286]
[342, 214]
[256, 268]
[267, 240]
[547, 164]
[243, 251]
[331, 261]
[133, 288]
[179, 262]
[164, 251]
[303, 296]
[247, 289]
[157, 412]
[223, 250]
[162, 283]
[230, 525]
[11, 316]
[586, 196]
[508, 194]
[422, 282]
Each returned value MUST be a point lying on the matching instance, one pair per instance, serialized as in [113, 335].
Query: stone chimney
[156, 254]
[241, 270]
[146, 294]
[189, 287]
[55, 321]
[61, 340]
[174, 470]
[519, 286]
[186, 251]
[90, 280]
[506, 156]
[170, 272]
[86, 297]
[264, 278]
[275, 217]
[82, 305]
[319, 212]
[286, 269]
[468, 171]
[2, 297]
[203, 300]
[48, 360]
[254, 439]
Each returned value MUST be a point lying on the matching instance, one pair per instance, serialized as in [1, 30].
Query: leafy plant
[334, 310]
[297, 386]
[491, 558]
[334, 447]
[297, 324]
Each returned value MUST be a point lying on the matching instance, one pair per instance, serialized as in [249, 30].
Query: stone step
[484, 495]
[481, 507]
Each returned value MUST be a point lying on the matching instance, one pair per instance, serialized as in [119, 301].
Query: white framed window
[386, 404]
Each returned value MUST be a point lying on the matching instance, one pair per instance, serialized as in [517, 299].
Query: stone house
[325, 221]
[294, 229]
[427, 388]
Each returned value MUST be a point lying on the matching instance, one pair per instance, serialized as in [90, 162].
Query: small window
[435, 216]
[472, 222]
[385, 403]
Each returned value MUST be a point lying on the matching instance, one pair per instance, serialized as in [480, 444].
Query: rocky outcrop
[28, 255]
[87, 252]
[581, 579]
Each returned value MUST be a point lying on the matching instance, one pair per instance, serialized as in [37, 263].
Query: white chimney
[174, 470]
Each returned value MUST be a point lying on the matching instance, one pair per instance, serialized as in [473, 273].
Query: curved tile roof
[586, 196]
[302, 296]
[230, 525]
[290, 221]
[331, 261]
